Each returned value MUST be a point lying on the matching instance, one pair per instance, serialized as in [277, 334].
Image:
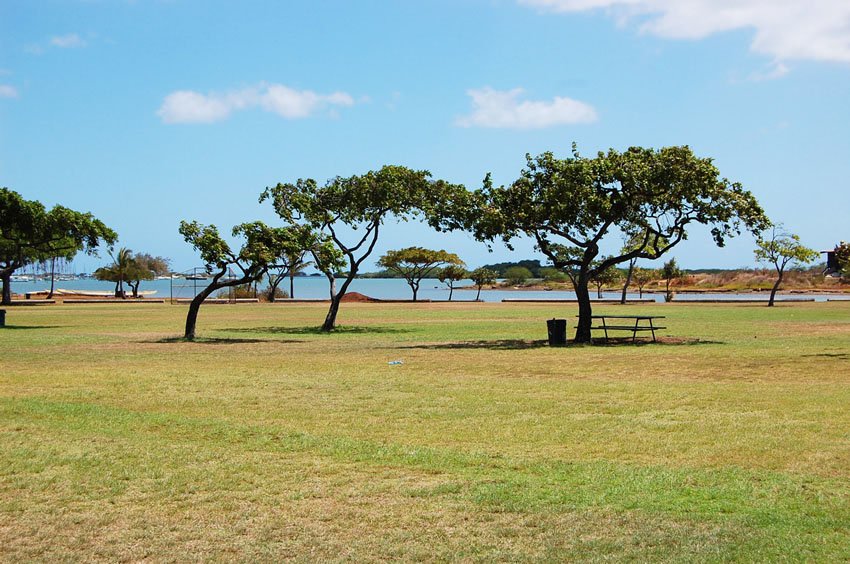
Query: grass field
[268, 440]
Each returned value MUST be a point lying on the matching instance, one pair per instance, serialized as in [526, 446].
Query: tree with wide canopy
[417, 263]
[351, 211]
[261, 247]
[569, 206]
[30, 233]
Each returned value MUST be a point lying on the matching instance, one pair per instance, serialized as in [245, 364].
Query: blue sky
[147, 112]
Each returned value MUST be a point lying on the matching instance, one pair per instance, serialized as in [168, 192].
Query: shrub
[517, 275]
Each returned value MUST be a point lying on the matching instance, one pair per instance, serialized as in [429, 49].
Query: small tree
[29, 233]
[262, 246]
[482, 277]
[669, 272]
[148, 267]
[643, 276]
[517, 275]
[416, 263]
[451, 274]
[634, 240]
[781, 249]
[286, 267]
[604, 278]
[122, 268]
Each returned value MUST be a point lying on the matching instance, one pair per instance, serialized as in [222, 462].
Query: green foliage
[643, 276]
[29, 233]
[781, 249]
[417, 263]
[570, 205]
[533, 266]
[669, 272]
[362, 203]
[517, 275]
[481, 277]
[450, 274]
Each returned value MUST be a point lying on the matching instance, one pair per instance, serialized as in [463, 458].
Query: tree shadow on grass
[662, 341]
[840, 356]
[31, 327]
[221, 341]
[499, 344]
[353, 329]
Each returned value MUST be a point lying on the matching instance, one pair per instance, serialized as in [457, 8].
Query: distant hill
[500, 267]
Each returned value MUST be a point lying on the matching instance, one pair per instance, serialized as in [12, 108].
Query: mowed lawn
[267, 440]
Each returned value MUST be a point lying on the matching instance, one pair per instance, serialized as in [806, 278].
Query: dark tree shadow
[840, 356]
[662, 342]
[500, 344]
[32, 327]
[354, 329]
[220, 341]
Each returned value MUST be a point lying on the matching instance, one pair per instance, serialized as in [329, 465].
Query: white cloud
[68, 41]
[187, 106]
[7, 91]
[504, 109]
[785, 30]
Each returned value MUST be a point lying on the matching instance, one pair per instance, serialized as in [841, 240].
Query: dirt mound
[357, 297]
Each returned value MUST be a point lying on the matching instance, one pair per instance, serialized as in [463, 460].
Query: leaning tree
[451, 274]
[569, 206]
[351, 211]
[417, 263]
[30, 233]
[781, 249]
[262, 246]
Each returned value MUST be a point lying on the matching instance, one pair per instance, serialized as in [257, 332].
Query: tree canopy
[30, 233]
[262, 246]
[569, 206]
[781, 249]
[416, 263]
[359, 205]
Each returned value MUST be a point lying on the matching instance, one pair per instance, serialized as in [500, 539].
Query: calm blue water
[317, 288]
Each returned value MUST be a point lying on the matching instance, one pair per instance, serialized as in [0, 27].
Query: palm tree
[119, 271]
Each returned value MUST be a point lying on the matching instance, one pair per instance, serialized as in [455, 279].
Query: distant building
[831, 263]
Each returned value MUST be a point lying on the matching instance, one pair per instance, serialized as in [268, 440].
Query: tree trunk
[599, 291]
[194, 308]
[774, 290]
[451, 289]
[273, 284]
[330, 320]
[415, 288]
[291, 285]
[52, 278]
[478, 295]
[6, 276]
[135, 288]
[628, 281]
[585, 309]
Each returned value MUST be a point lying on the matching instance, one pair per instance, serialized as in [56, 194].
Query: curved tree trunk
[330, 319]
[628, 281]
[274, 282]
[415, 288]
[585, 309]
[451, 290]
[134, 288]
[478, 295]
[6, 276]
[198, 300]
[774, 290]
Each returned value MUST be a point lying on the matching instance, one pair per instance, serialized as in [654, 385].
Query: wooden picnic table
[641, 323]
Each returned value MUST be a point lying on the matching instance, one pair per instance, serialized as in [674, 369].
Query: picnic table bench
[641, 323]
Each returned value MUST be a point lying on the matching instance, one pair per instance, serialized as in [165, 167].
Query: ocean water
[314, 287]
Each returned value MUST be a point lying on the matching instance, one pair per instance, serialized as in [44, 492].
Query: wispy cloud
[817, 30]
[7, 91]
[504, 109]
[188, 106]
[68, 41]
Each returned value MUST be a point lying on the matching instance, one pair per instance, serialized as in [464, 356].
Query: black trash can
[2, 317]
[557, 331]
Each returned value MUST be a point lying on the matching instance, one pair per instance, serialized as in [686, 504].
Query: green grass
[729, 440]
